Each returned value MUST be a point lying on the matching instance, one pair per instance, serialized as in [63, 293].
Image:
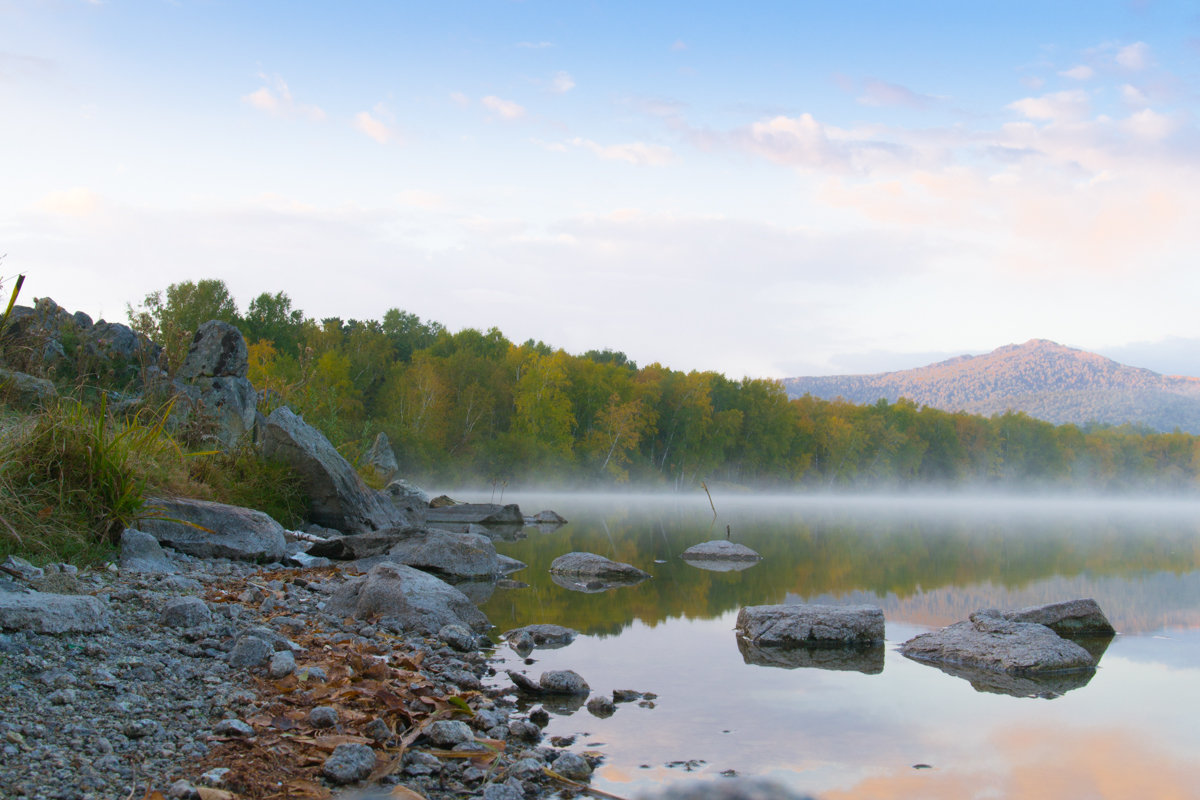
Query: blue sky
[767, 189]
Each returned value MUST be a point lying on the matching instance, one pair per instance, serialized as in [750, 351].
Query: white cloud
[1134, 56]
[562, 82]
[1151, 126]
[460, 99]
[1070, 105]
[1079, 73]
[77, 201]
[1033, 82]
[277, 100]
[418, 198]
[882, 93]
[504, 108]
[639, 153]
[373, 124]
[795, 141]
[1133, 96]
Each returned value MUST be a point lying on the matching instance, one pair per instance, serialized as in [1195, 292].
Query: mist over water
[856, 729]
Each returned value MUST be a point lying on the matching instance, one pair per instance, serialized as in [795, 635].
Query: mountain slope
[1044, 379]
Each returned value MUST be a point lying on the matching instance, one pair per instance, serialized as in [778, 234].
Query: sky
[765, 189]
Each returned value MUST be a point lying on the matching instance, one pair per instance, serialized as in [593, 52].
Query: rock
[477, 513]
[214, 530]
[403, 492]
[507, 565]
[222, 409]
[43, 612]
[720, 550]
[867, 659]
[26, 570]
[1048, 685]
[810, 624]
[233, 727]
[338, 497]
[1070, 618]
[24, 391]
[989, 641]
[283, 663]
[456, 555]
[736, 789]
[442, 501]
[349, 763]
[323, 717]
[545, 518]
[601, 706]
[562, 681]
[449, 733]
[185, 612]
[250, 651]
[361, 545]
[547, 636]
[458, 638]
[572, 766]
[218, 350]
[381, 458]
[590, 565]
[408, 598]
[140, 552]
[113, 341]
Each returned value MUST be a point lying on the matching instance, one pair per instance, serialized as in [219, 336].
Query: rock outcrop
[214, 530]
[212, 392]
[1069, 618]
[381, 458]
[989, 641]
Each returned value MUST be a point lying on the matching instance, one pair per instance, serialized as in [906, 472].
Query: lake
[875, 725]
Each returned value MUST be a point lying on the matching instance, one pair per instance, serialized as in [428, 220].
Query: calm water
[1130, 731]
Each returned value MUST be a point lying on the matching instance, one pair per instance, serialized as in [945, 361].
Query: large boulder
[381, 458]
[404, 493]
[721, 553]
[339, 498]
[222, 409]
[360, 545]
[991, 642]
[406, 599]
[455, 555]
[477, 513]
[141, 552]
[810, 624]
[25, 391]
[218, 350]
[591, 573]
[214, 530]
[1069, 618]
[45, 612]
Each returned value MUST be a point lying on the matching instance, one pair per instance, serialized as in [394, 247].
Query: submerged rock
[720, 550]
[546, 636]
[561, 681]
[810, 624]
[590, 565]
[991, 642]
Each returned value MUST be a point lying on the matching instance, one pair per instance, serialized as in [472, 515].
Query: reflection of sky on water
[1130, 732]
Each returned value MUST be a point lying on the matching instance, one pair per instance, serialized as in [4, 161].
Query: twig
[710, 500]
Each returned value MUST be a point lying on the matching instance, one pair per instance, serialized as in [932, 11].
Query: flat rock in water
[214, 530]
[720, 550]
[408, 598]
[1069, 618]
[45, 612]
[810, 624]
[867, 659]
[590, 565]
[547, 636]
[560, 681]
[478, 513]
[991, 642]
[546, 517]
[360, 545]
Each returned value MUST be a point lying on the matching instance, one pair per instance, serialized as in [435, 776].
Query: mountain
[1044, 379]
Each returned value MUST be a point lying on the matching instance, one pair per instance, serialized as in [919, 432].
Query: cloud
[639, 153]
[1150, 126]
[277, 101]
[882, 93]
[504, 108]
[1133, 96]
[74, 202]
[562, 82]
[460, 99]
[372, 125]
[1079, 73]
[1135, 56]
[418, 198]
[1069, 105]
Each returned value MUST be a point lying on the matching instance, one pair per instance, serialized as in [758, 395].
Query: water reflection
[865, 659]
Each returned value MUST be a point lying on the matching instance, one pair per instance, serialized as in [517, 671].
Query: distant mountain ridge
[1042, 378]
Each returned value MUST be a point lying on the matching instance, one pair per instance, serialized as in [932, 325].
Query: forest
[473, 407]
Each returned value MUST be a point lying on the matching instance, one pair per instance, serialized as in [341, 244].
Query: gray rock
[323, 717]
[1069, 618]
[26, 392]
[283, 663]
[989, 641]
[349, 763]
[224, 408]
[214, 530]
[113, 341]
[810, 624]
[592, 566]
[43, 612]
[361, 545]
[507, 565]
[458, 637]
[562, 681]
[250, 651]
[140, 552]
[409, 598]
[185, 612]
[218, 350]
[720, 550]
[447, 733]
[403, 492]
[455, 555]
[477, 513]
[546, 518]
[601, 706]
[572, 766]
[233, 727]
[381, 458]
[339, 498]
[864, 658]
[736, 789]
[26, 570]
[503, 791]
[547, 636]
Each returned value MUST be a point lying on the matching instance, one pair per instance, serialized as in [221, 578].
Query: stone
[561, 681]
[401, 491]
[24, 569]
[458, 638]
[572, 766]
[233, 727]
[408, 598]
[547, 636]
[349, 763]
[989, 641]
[339, 498]
[323, 717]
[546, 518]
[447, 733]
[218, 350]
[44, 612]
[864, 658]
[223, 410]
[381, 458]
[141, 552]
[360, 545]
[206, 529]
[1069, 618]
[185, 612]
[283, 663]
[720, 550]
[25, 392]
[454, 555]
[250, 651]
[810, 624]
[590, 565]
[601, 706]
[477, 513]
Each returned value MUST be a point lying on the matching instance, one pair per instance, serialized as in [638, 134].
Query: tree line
[473, 406]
